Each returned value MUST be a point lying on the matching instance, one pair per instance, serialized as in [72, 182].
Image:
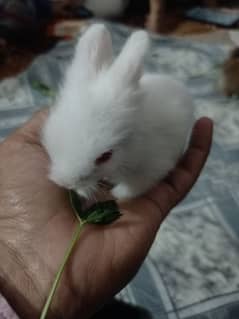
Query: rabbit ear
[129, 65]
[93, 52]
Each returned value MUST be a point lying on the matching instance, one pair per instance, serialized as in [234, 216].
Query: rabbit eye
[103, 158]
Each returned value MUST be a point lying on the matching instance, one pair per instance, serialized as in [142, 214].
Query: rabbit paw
[124, 192]
[121, 191]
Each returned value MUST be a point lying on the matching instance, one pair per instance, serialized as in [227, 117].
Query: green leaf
[102, 213]
[43, 88]
[103, 218]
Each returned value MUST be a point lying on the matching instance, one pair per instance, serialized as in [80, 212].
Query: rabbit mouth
[99, 192]
[102, 186]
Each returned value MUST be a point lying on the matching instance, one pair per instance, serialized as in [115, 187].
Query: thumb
[32, 129]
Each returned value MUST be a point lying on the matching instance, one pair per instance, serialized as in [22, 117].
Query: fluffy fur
[111, 105]
[106, 8]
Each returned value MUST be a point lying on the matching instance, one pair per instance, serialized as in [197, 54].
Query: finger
[180, 181]
[32, 129]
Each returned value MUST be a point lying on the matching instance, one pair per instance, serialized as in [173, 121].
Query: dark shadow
[119, 309]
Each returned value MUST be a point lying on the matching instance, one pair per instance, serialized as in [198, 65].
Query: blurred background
[20, 21]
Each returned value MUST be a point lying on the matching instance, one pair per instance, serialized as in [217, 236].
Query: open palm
[37, 223]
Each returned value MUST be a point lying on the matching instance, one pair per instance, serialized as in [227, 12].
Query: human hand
[37, 222]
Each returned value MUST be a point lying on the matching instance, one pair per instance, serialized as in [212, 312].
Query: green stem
[56, 282]
[74, 209]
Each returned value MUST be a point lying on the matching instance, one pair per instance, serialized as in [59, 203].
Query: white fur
[105, 105]
[106, 8]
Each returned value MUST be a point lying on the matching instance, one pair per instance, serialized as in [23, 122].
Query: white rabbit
[112, 122]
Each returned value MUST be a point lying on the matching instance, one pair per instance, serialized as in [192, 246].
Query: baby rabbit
[112, 122]
[231, 74]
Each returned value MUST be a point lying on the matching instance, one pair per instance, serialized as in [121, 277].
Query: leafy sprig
[103, 213]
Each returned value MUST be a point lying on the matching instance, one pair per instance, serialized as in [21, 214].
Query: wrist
[26, 292]
[15, 284]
